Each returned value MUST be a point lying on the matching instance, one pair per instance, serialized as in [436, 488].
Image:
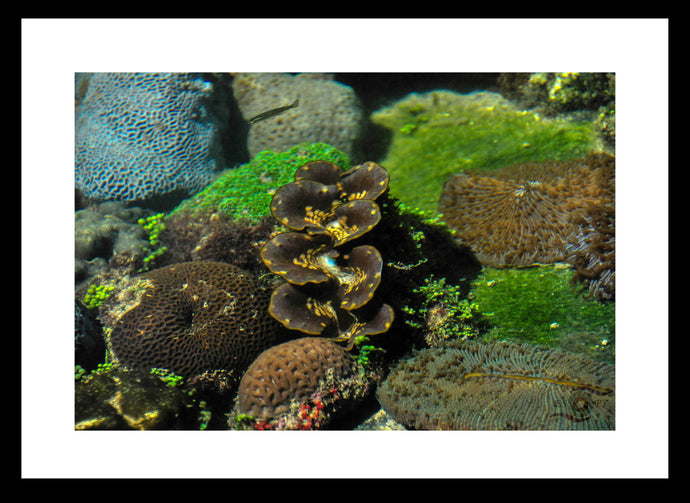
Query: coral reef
[145, 137]
[246, 192]
[500, 386]
[325, 288]
[194, 317]
[440, 133]
[328, 112]
[295, 378]
[525, 213]
[349, 262]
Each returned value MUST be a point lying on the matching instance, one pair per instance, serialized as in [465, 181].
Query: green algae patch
[245, 192]
[440, 133]
[541, 305]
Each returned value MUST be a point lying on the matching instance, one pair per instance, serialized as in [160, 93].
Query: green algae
[442, 313]
[541, 305]
[440, 133]
[245, 192]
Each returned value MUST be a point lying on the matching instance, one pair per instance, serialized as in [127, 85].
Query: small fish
[273, 112]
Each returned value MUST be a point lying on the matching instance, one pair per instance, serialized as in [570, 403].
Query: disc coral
[526, 213]
[194, 317]
[500, 386]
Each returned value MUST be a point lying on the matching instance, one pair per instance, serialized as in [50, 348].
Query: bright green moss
[80, 373]
[96, 294]
[437, 134]
[246, 191]
[153, 225]
[169, 378]
[541, 305]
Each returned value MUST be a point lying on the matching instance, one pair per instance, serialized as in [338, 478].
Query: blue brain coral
[142, 135]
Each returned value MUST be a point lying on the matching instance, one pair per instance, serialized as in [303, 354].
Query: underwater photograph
[354, 251]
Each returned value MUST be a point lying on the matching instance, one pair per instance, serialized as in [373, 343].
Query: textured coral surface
[328, 112]
[142, 135]
[194, 317]
[500, 386]
[524, 213]
[291, 372]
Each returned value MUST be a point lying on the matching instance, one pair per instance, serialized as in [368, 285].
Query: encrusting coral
[324, 208]
[194, 317]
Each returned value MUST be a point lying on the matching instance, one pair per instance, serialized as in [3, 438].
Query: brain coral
[500, 386]
[524, 213]
[291, 372]
[194, 317]
[328, 112]
[141, 135]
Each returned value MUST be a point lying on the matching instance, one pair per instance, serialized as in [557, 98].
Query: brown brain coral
[290, 373]
[194, 317]
[500, 386]
[525, 214]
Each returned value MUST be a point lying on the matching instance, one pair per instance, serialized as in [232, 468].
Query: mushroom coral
[500, 386]
[325, 208]
[527, 213]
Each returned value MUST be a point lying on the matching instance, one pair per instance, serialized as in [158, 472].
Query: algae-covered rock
[541, 305]
[246, 191]
[120, 399]
[440, 133]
